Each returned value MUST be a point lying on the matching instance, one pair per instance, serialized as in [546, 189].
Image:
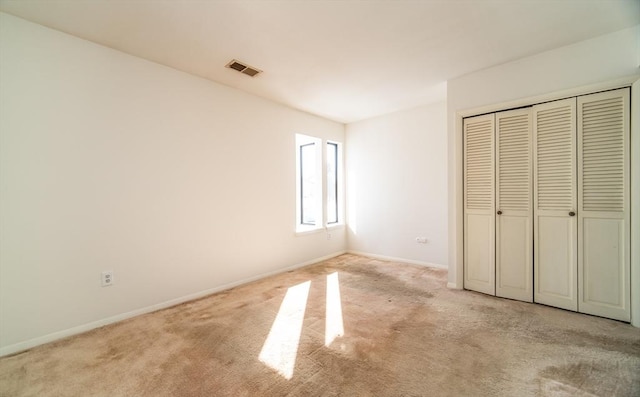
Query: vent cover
[243, 68]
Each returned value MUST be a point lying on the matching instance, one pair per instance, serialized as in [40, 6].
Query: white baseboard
[28, 344]
[395, 259]
[451, 285]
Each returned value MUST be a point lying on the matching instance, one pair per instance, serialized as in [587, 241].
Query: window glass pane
[332, 183]
[308, 184]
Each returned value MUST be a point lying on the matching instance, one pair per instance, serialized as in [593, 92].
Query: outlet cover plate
[107, 278]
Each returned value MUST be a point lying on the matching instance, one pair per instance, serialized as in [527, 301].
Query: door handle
[572, 213]
[499, 212]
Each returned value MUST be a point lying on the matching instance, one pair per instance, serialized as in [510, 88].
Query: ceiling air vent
[243, 68]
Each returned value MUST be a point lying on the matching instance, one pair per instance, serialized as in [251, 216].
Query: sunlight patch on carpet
[334, 326]
[281, 346]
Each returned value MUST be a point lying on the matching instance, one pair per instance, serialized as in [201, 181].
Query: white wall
[567, 70]
[107, 161]
[397, 186]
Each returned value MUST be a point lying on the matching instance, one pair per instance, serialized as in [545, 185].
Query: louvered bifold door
[479, 218]
[555, 204]
[514, 205]
[603, 204]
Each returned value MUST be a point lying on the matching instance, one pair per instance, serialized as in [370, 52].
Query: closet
[546, 204]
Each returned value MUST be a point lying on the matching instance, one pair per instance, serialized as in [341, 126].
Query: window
[309, 185]
[317, 174]
[332, 182]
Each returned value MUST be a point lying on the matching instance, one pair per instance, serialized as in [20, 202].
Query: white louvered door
[479, 215]
[547, 197]
[514, 215]
[603, 197]
[555, 204]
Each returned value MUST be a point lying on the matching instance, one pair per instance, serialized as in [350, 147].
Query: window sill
[302, 231]
[335, 226]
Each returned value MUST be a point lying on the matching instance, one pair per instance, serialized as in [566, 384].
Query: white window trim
[321, 167]
[302, 140]
[340, 186]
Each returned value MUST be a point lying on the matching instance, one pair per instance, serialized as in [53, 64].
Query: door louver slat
[554, 158]
[478, 181]
[514, 162]
[603, 155]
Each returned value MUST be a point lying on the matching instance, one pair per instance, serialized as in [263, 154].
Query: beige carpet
[405, 334]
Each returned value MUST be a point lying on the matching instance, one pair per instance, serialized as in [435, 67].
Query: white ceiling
[343, 60]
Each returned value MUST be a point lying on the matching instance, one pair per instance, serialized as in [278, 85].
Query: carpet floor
[348, 326]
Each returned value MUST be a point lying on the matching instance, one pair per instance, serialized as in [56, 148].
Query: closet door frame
[456, 175]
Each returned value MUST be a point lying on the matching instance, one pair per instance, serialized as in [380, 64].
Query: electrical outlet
[107, 278]
[328, 236]
[421, 240]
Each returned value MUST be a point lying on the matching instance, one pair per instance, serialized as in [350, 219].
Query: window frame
[301, 168]
[321, 199]
[303, 141]
[336, 172]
